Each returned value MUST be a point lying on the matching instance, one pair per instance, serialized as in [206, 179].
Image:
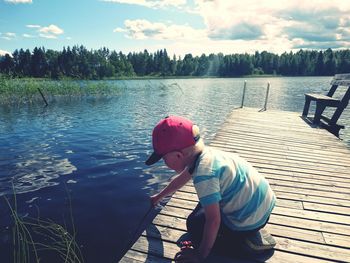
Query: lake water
[91, 153]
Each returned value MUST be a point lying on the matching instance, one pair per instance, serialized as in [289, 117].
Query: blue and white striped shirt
[245, 197]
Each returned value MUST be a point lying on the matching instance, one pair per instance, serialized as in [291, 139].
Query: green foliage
[31, 236]
[16, 91]
[79, 63]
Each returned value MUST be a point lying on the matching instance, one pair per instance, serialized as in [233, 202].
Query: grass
[18, 91]
[25, 91]
[34, 236]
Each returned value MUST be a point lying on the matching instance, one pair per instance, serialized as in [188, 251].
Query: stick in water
[42, 95]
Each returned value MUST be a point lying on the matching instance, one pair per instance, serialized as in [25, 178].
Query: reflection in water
[40, 171]
[98, 148]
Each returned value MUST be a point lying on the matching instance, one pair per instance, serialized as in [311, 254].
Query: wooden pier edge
[309, 170]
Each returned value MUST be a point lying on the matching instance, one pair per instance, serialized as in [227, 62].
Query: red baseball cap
[173, 133]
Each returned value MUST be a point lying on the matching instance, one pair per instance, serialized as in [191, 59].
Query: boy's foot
[185, 240]
[260, 241]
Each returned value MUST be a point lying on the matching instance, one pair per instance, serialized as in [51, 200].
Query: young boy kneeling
[235, 201]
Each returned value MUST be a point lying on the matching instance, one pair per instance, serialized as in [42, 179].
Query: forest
[78, 62]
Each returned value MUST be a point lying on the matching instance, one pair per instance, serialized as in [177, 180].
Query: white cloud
[4, 52]
[49, 36]
[27, 36]
[270, 22]
[8, 35]
[119, 30]
[33, 26]
[151, 3]
[19, 1]
[226, 46]
[144, 29]
[247, 26]
[51, 30]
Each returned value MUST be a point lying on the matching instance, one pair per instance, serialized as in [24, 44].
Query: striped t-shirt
[245, 197]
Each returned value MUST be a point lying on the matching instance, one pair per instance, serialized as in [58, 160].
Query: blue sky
[180, 26]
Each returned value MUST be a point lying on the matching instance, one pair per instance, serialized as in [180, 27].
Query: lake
[87, 156]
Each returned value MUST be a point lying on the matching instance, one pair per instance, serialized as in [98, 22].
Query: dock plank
[307, 167]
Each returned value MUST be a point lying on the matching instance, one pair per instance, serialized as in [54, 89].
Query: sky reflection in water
[94, 151]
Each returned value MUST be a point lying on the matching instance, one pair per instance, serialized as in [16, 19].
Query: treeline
[79, 62]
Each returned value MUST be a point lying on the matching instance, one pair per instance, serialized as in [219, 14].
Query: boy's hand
[187, 255]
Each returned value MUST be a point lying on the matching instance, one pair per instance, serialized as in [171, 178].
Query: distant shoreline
[162, 77]
[79, 62]
[29, 90]
[209, 77]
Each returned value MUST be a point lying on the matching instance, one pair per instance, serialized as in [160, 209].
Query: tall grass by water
[26, 91]
[31, 237]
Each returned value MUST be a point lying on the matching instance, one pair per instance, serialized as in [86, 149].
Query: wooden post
[42, 95]
[244, 88]
[267, 95]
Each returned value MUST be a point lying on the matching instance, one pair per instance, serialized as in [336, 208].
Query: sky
[180, 26]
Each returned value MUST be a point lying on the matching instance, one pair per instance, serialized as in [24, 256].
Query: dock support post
[244, 88]
[266, 97]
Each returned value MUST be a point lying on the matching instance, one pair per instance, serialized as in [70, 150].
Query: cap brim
[153, 159]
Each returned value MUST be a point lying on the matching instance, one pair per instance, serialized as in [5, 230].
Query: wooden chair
[323, 101]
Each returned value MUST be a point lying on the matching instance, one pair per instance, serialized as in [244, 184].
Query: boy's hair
[174, 133]
[194, 150]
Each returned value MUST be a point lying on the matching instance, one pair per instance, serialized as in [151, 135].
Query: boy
[235, 201]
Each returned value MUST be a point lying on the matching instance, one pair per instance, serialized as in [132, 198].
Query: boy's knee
[195, 227]
[192, 223]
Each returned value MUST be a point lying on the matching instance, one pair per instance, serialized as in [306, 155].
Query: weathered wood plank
[311, 192]
[283, 155]
[319, 216]
[276, 164]
[292, 144]
[309, 170]
[171, 234]
[305, 180]
[302, 142]
[137, 257]
[242, 147]
[314, 250]
[274, 229]
[327, 208]
[299, 145]
[303, 219]
[309, 224]
[337, 240]
[312, 199]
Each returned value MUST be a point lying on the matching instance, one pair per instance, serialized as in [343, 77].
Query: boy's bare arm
[175, 184]
[211, 228]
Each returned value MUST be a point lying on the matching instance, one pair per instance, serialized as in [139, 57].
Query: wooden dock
[309, 170]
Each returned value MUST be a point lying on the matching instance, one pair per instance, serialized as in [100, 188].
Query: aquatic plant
[31, 236]
[26, 91]
[22, 237]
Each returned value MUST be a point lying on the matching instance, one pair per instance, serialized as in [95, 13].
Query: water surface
[92, 151]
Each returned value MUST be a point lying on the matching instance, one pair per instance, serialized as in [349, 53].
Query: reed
[34, 236]
[25, 91]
